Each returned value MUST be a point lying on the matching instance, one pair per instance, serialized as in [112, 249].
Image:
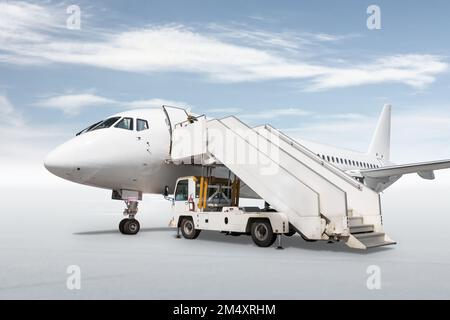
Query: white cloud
[245, 35]
[28, 38]
[416, 136]
[415, 70]
[72, 104]
[275, 113]
[153, 103]
[223, 110]
[327, 37]
[6, 108]
[8, 113]
[342, 116]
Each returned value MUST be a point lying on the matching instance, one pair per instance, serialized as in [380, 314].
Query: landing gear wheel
[122, 222]
[188, 229]
[262, 234]
[129, 226]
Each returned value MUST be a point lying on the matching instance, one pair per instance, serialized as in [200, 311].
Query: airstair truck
[212, 203]
[320, 201]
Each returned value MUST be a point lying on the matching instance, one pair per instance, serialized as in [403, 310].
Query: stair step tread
[361, 228]
[361, 225]
[369, 240]
[355, 221]
[380, 244]
[369, 235]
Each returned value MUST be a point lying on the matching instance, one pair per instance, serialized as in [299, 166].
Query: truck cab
[212, 203]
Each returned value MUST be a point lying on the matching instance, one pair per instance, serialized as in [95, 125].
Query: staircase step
[362, 228]
[369, 235]
[379, 244]
[355, 221]
[373, 239]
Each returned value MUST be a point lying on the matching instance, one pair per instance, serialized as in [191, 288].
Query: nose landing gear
[130, 225]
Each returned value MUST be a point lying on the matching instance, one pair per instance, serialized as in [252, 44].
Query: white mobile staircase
[320, 201]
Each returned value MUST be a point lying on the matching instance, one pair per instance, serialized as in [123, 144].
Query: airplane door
[174, 115]
[143, 135]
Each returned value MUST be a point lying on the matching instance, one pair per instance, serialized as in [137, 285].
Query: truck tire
[188, 229]
[262, 233]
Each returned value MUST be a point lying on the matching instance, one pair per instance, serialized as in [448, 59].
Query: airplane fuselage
[118, 158]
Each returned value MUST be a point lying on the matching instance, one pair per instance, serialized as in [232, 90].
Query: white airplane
[128, 153]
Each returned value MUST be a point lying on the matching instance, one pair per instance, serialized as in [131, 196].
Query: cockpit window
[88, 128]
[142, 125]
[105, 123]
[125, 123]
[100, 125]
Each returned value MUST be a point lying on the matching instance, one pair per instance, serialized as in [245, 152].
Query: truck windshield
[181, 193]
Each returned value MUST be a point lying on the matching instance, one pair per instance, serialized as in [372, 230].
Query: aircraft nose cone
[58, 163]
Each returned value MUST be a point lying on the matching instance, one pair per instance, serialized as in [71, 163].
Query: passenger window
[332, 159]
[181, 193]
[125, 123]
[328, 158]
[142, 125]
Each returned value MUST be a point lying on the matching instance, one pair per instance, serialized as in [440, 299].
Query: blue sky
[311, 68]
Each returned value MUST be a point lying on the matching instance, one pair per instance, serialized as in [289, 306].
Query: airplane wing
[381, 178]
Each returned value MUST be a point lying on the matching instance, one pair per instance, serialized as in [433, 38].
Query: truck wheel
[188, 229]
[262, 233]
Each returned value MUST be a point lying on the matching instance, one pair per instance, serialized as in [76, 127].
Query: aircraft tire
[131, 226]
[122, 222]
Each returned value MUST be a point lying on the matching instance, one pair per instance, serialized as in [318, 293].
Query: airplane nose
[58, 163]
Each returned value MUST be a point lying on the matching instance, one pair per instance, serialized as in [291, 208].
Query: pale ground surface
[47, 226]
